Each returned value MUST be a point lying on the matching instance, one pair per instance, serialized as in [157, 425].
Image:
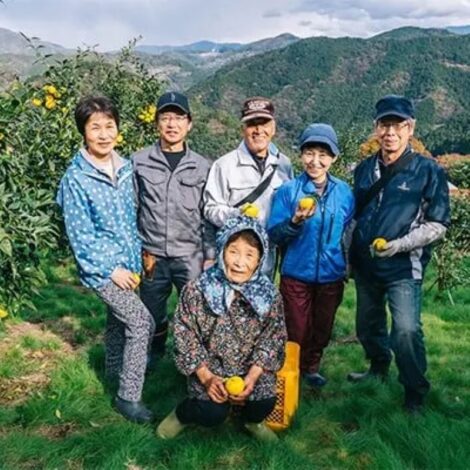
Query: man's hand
[391, 248]
[124, 279]
[208, 263]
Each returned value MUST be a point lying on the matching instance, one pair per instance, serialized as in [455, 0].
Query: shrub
[458, 169]
[450, 255]
[37, 139]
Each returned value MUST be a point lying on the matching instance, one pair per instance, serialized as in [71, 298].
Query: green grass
[71, 424]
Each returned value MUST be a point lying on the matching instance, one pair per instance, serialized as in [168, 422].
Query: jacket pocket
[191, 191]
[151, 186]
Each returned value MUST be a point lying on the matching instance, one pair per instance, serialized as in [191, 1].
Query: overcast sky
[111, 23]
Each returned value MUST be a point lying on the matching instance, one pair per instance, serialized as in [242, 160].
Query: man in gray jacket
[236, 175]
[169, 179]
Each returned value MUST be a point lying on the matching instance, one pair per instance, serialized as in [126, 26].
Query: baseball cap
[319, 133]
[257, 107]
[394, 105]
[173, 99]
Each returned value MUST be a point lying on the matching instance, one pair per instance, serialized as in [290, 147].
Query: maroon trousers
[310, 311]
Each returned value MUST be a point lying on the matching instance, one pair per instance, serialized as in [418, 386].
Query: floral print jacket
[228, 344]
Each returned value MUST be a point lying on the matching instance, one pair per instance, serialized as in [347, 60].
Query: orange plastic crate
[287, 389]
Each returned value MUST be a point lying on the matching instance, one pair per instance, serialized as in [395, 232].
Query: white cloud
[112, 23]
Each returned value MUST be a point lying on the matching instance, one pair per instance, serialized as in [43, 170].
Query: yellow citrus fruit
[50, 102]
[306, 203]
[379, 244]
[136, 276]
[234, 385]
[251, 210]
[3, 313]
[52, 90]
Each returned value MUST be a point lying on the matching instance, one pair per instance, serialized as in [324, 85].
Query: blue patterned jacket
[100, 219]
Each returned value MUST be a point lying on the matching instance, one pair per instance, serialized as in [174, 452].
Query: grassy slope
[346, 426]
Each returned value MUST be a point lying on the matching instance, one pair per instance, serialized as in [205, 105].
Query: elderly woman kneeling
[229, 322]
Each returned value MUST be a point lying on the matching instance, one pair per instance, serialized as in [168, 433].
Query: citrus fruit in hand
[136, 277]
[307, 203]
[379, 244]
[234, 385]
[250, 210]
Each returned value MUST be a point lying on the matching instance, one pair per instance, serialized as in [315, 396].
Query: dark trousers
[406, 337]
[310, 311]
[155, 292]
[208, 413]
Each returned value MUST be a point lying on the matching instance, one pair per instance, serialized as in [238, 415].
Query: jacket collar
[378, 160]
[308, 186]
[245, 158]
[188, 161]
[87, 167]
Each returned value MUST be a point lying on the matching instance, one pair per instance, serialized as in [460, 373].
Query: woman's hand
[124, 279]
[250, 381]
[302, 214]
[213, 384]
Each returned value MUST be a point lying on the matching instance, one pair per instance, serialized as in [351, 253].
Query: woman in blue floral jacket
[97, 200]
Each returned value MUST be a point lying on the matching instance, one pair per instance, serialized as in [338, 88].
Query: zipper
[330, 229]
[166, 215]
[121, 209]
[320, 238]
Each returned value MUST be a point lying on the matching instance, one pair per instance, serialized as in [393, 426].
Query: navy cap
[394, 105]
[175, 100]
[320, 134]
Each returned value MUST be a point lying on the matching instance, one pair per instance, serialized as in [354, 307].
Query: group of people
[167, 217]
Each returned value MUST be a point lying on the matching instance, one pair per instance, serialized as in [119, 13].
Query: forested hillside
[339, 80]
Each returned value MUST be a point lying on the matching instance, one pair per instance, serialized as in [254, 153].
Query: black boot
[376, 371]
[414, 402]
[134, 411]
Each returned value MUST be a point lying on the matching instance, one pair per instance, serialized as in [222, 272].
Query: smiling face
[100, 135]
[173, 126]
[393, 134]
[317, 160]
[241, 259]
[258, 134]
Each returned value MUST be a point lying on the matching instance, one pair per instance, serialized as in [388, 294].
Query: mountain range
[313, 79]
[339, 80]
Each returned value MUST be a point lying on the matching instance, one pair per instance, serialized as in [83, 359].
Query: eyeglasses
[322, 157]
[397, 126]
[166, 118]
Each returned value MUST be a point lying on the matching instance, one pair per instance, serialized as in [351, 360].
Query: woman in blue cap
[308, 219]
[229, 322]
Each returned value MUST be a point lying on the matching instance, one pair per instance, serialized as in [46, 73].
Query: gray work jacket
[169, 204]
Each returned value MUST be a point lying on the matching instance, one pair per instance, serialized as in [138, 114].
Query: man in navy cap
[402, 206]
[169, 179]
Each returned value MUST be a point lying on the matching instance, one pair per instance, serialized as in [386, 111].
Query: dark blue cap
[175, 100]
[320, 134]
[394, 105]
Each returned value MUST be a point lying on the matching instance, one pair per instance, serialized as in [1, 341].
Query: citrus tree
[37, 139]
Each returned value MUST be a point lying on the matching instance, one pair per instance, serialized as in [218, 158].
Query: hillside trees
[37, 140]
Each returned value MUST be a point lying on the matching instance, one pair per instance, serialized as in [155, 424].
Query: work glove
[391, 248]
